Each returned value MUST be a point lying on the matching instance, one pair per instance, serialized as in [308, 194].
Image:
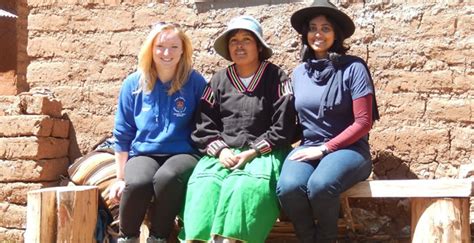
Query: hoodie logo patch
[179, 108]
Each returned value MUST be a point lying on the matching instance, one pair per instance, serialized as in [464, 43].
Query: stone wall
[33, 155]
[420, 54]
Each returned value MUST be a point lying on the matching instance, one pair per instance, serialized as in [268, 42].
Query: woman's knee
[137, 186]
[177, 169]
[322, 188]
[168, 176]
[289, 186]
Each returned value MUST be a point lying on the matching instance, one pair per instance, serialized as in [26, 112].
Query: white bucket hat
[246, 23]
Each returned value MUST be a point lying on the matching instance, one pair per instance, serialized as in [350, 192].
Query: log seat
[439, 208]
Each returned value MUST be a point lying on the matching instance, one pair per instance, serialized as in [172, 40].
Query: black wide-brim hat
[301, 18]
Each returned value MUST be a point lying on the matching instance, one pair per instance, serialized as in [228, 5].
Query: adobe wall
[33, 155]
[420, 54]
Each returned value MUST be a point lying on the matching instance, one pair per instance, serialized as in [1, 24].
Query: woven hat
[245, 23]
[301, 18]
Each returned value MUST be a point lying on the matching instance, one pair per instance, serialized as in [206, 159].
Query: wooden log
[62, 214]
[77, 213]
[41, 216]
[442, 220]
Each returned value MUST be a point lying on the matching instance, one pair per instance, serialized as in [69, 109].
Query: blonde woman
[153, 151]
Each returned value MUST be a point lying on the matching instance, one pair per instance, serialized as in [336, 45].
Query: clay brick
[8, 82]
[465, 25]
[424, 171]
[61, 128]
[401, 22]
[411, 143]
[16, 192]
[103, 98]
[71, 96]
[451, 57]
[423, 82]
[402, 106]
[147, 16]
[434, 26]
[135, 1]
[34, 148]
[92, 128]
[396, 55]
[10, 105]
[115, 71]
[463, 83]
[11, 235]
[450, 109]
[45, 46]
[41, 105]
[462, 139]
[104, 20]
[40, 3]
[33, 171]
[128, 44]
[53, 22]
[47, 72]
[14, 126]
[12, 216]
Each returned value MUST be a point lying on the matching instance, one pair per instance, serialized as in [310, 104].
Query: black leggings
[163, 178]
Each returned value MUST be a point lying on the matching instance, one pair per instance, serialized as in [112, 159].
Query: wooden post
[62, 214]
[41, 217]
[442, 220]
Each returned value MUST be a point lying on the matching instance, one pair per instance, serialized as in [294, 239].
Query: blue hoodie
[155, 123]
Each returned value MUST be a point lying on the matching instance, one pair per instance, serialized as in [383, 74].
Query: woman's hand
[309, 153]
[243, 158]
[116, 190]
[227, 158]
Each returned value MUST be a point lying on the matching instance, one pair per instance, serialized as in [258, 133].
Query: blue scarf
[322, 71]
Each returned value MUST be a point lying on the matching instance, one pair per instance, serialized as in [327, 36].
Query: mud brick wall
[420, 54]
[33, 154]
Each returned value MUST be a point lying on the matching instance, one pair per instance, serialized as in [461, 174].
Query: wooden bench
[439, 207]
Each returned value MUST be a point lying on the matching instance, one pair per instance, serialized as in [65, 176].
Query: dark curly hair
[337, 47]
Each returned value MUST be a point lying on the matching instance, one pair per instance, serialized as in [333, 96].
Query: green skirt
[240, 204]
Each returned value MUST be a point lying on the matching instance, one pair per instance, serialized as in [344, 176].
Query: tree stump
[62, 214]
[440, 220]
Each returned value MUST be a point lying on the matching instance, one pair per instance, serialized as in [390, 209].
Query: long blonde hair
[146, 66]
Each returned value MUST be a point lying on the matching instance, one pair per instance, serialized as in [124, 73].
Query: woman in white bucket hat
[245, 128]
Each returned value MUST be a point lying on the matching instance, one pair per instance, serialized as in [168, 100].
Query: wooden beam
[412, 188]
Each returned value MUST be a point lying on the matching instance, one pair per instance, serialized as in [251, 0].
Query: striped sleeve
[208, 96]
[262, 147]
[215, 147]
[285, 88]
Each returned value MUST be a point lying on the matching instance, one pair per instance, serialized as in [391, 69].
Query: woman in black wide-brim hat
[335, 100]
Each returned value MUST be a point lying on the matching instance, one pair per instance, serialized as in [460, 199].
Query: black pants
[163, 178]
